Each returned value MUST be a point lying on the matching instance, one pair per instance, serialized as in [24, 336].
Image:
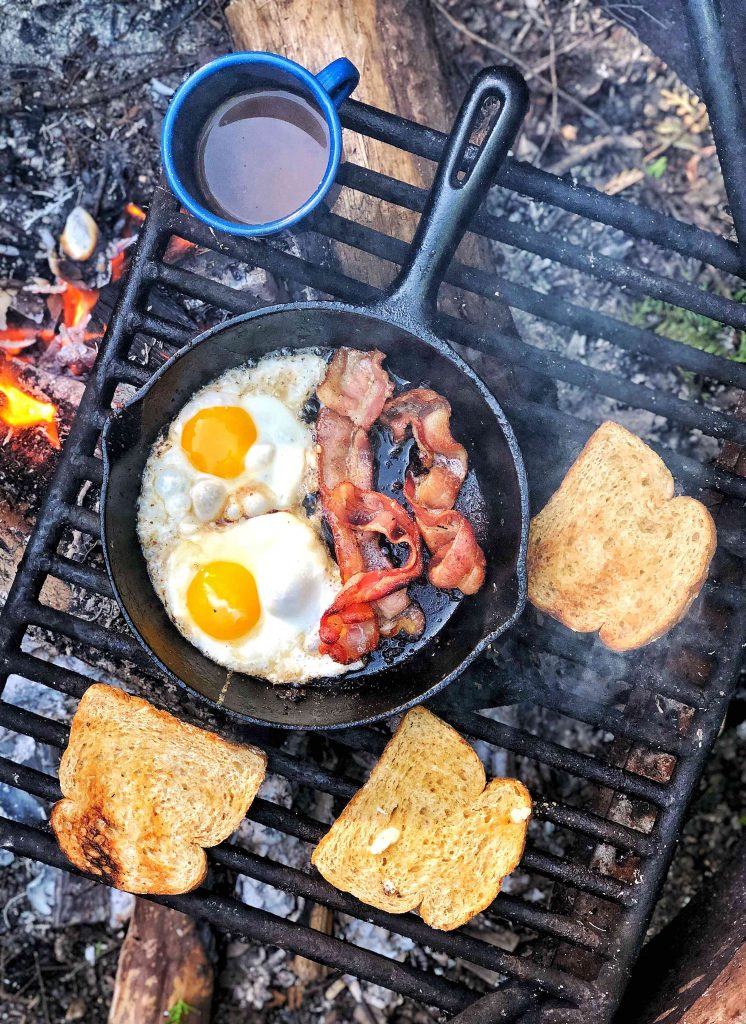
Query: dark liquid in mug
[261, 155]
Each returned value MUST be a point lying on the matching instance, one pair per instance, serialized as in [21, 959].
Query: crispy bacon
[429, 416]
[345, 454]
[457, 561]
[349, 627]
[356, 385]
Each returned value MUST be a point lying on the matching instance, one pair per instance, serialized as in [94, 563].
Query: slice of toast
[144, 793]
[613, 550]
[425, 831]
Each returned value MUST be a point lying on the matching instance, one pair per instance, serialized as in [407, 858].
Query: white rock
[80, 235]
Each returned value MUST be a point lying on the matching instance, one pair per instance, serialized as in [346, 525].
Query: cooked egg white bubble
[242, 571]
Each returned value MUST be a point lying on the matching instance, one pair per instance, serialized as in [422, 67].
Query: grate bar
[559, 641]
[597, 828]
[453, 943]
[49, 674]
[655, 734]
[635, 280]
[638, 221]
[722, 94]
[28, 723]
[80, 575]
[545, 361]
[84, 631]
[311, 886]
[531, 416]
[268, 929]
[555, 756]
[551, 307]
[90, 467]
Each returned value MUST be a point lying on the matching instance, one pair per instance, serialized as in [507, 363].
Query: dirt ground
[82, 96]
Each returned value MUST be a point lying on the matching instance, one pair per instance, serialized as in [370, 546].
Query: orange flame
[19, 409]
[77, 304]
[132, 210]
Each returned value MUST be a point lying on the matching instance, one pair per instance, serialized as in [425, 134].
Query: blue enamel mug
[212, 87]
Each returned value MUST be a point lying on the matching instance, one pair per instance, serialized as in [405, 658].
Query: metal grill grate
[619, 804]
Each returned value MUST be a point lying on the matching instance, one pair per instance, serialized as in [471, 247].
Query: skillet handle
[452, 202]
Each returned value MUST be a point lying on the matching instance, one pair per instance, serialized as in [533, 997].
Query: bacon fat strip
[457, 561]
[349, 627]
[429, 416]
[356, 385]
[345, 454]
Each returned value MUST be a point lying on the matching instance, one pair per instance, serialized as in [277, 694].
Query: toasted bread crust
[425, 832]
[613, 550]
[144, 793]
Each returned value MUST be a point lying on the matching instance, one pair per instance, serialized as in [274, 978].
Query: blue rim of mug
[320, 95]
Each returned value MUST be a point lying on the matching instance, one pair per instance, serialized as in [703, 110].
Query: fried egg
[237, 449]
[241, 570]
[250, 595]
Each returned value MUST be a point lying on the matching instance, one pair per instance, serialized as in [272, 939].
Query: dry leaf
[622, 180]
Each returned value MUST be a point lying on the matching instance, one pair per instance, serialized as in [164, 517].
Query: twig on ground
[553, 121]
[579, 154]
[573, 45]
[42, 990]
[528, 72]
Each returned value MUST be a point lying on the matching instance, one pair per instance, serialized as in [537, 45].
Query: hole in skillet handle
[458, 190]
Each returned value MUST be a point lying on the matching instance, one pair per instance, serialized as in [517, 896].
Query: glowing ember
[117, 265]
[14, 339]
[177, 248]
[132, 210]
[19, 410]
[77, 304]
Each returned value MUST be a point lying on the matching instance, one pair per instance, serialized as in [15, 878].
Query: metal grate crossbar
[617, 802]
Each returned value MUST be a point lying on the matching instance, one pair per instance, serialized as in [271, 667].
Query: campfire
[66, 342]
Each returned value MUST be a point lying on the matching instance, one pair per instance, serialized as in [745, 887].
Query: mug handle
[339, 79]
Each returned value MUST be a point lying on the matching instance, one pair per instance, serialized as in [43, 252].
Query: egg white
[296, 582]
[280, 468]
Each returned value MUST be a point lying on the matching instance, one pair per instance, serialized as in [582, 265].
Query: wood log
[162, 962]
[393, 46]
[694, 970]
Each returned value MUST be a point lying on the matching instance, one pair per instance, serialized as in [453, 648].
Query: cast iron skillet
[400, 325]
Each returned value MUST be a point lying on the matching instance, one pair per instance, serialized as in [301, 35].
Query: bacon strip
[429, 416]
[349, 628]
[345, 455]
[457, 561]
[356, 385]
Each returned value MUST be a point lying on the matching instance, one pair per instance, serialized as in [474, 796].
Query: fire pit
[612, 788]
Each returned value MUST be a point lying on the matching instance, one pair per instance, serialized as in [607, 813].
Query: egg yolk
[216, 440]
[223, 601]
